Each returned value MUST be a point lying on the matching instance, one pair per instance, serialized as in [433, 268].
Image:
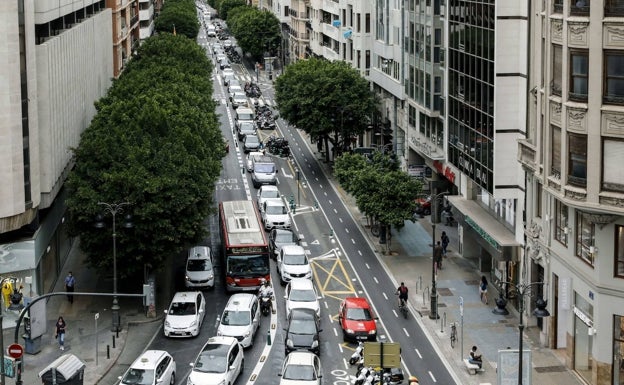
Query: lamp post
[113, 209]
[433, 314]
[521, 290]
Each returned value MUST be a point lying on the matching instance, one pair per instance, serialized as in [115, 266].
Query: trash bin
[67, 369]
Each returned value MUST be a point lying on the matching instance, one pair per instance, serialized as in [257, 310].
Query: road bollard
[269, 337]
[108, 352]
[113, 342]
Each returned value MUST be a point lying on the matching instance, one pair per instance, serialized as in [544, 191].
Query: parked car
[151, 368]
[219, 362]
[267, 192]
[245, 128]
[241, 318]
[356, 319]
[279, 238]
[185, 314]
[251, 143]
[199, 268]
[292, 262]
[302, 333]
[301, 368]
[301, 294]
[275, 215]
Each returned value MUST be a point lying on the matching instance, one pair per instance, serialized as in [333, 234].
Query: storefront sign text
[446, 171]
[583, 317]
[482, 232]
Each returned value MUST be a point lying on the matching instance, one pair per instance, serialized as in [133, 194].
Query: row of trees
[155, 142]
[179, 16]
[257, 32]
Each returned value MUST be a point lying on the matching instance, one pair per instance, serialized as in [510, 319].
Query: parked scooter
[358, 355]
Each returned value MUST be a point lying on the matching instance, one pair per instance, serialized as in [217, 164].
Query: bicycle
[375, 228]
[453, 334]
[403, 307]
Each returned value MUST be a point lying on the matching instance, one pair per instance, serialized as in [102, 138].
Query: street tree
[257, 32]
[156, 145]
[178, 15]
[330, 101]
[226, 6]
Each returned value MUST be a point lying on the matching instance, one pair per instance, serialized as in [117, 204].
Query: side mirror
[166, 311]
[232, 367]
[119, 378]
[201, 311]
[285, 297]
[191, 364]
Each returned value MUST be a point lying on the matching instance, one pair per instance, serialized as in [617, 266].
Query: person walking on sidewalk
[437, 255]
[483, 289]
[60, 332]
[70, 282]
[445, 242]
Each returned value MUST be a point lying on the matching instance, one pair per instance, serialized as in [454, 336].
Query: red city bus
[245, 248]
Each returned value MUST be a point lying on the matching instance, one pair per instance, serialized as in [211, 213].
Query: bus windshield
[247, 266]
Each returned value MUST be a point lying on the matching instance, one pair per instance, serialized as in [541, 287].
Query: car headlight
[350, 331]
[219, 333]
[289, 343]
[372, 331]
[186, 277]
[167, 323]
[314, 344]
[210, 276]
[247, 334]
[194, 323]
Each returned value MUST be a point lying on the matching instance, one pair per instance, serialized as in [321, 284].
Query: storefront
[583, 337]
[618, 350]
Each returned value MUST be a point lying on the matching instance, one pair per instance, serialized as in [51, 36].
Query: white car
[249, 162]
[151, 368]
[275, 214]
[239, 99]
[241, 318]
[199, 268]
[267, 192]
[219, 362]
[301, 294]
[185, 314]
[301, 368]
[292, 262]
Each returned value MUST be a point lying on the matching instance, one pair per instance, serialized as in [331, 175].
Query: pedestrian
[445, 242]
[475, 358]
[437, 255]
[70, 283]
[483, 289]
[60, 332]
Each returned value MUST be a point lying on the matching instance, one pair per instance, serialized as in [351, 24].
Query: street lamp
[433, 314]
[521, 290]
[113, 209]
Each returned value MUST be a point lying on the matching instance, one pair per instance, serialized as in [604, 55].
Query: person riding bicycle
[402, 292]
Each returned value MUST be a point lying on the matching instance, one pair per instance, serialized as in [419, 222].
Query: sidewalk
[80, 339]
[410, 261]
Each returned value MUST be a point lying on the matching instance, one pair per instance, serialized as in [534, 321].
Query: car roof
[148, 359]
[293, 249]
[240, 301]
[274, 202]
[199, 252]
[185, 296]
[300, 283]
[358, 302]
[303, 312]
[300, 358]
[221, 340]
[282, 231]
[268, 187]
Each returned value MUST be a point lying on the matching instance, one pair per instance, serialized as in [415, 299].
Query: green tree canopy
[180, 14]
[226, 5]
[256, 31]
[325, 99]
[154, 142]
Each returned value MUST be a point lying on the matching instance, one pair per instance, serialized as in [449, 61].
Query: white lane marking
[359, 252]
[406, 333]
[353, 241]
[418, 352]
[395, 313]
[340, 219]
[335, 211]
[432, 376]
[385, 296]
[330, 202]
[335, 332]
[376, 281]
[347, 230]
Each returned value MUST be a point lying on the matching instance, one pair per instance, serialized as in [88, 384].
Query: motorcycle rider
[402, 292]
[266, 290]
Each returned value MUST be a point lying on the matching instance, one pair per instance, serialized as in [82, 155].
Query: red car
[356, 319]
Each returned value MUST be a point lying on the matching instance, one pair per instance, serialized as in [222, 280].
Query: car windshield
[269, 193]
[357, 314]
[247, 265]
[138, 377]
[265, 167]
[295, 259]
[284, 238]
[302, 295]
[182, 308]
[236, 318]
[199, 265]
[276, 209]
[250, 139]
[247, 127]
[302, 326]
[213, 359]
[299, 373]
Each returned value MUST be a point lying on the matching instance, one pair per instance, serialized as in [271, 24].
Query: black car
[304, 327]
[279, 238]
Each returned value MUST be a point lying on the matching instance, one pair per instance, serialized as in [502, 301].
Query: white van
[263, 171]
[212, 31]
[240, 318]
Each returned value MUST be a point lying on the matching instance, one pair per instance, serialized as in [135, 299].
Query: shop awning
[492, 231]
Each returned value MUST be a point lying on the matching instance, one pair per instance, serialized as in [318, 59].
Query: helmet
[266, 283]
[262, 281]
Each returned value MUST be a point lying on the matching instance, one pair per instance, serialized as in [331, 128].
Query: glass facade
[471, 89]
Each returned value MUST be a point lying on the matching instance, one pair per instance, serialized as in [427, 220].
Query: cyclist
[402, 292]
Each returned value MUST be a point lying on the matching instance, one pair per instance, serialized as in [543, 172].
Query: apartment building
[574, 179]
[56, 61]
[126, 31]
[148, 9]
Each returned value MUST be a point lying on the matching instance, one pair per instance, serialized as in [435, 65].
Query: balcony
[526, 155]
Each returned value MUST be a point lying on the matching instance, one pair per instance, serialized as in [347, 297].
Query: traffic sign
[16, 350]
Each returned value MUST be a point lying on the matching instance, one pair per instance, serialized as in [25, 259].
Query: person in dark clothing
[402, 292]
[445, 242]
[437, 255]
[60, 332]
[70, 282]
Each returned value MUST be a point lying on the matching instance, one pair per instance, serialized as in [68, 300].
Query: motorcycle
[424, 206]
[265, 304]
[358, 355]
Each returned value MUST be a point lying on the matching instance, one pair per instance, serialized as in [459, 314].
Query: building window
[561, 223]
[577, 160]
[612, 161]
[558, 6]
[555, 154]
[584, 238]
[619, 252]
[614, 77]
[579, 65]
[579, 7]
[618, 349]
[556, 70]
[538, 200]
[614, 7]
[367, 23]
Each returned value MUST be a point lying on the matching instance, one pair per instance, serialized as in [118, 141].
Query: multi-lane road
[343, 262]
